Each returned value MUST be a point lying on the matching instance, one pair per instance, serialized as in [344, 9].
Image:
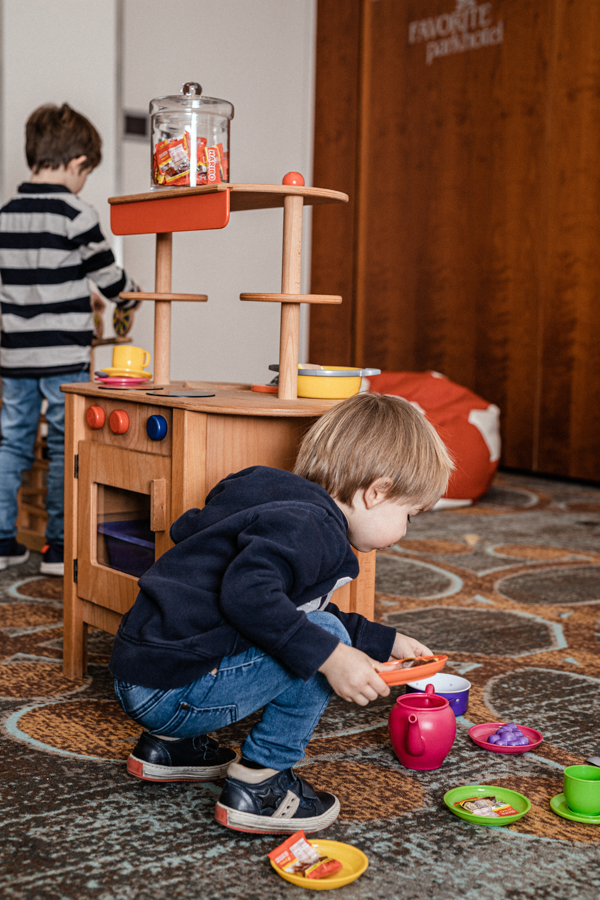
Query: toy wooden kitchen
[142, 456]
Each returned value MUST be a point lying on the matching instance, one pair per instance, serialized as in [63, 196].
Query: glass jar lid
[190, 99]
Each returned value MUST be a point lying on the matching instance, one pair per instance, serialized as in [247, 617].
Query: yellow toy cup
[134, 358]
[332, 382]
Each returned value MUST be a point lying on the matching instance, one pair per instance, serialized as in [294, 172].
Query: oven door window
[124, 539]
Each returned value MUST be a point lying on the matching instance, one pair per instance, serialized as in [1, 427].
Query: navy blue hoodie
[267, 547]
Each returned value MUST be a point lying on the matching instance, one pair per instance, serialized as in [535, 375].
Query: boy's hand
[351, 674]
[406, 646]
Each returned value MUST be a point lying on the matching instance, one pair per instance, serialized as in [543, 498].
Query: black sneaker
[52, 560]
[190, 759]
[280, 804]
[12, 553]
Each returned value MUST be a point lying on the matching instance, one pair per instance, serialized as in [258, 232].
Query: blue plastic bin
[130, 545]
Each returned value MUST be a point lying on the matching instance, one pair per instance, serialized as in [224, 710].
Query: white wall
[259, 55]
[52, 53]
[57, 51]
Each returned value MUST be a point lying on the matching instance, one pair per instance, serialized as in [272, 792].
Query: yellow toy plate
[354, 863]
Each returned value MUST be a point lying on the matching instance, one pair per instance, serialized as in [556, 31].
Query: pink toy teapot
[422, 729]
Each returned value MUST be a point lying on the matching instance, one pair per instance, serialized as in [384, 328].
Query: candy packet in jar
[201, 166]
[172, 161]
[297, 857]
[214, 164]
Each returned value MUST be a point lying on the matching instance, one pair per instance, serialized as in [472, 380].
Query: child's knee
[330, 623]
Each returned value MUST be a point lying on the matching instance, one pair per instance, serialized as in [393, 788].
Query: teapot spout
[415, 745]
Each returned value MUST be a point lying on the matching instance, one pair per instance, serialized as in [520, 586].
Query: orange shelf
[204, 207]
[182, 212]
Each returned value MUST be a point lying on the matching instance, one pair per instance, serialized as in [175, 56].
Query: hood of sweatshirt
[252, 488]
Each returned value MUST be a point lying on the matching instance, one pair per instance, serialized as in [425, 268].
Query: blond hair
[371, 437]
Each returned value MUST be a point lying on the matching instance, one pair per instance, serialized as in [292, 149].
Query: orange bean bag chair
[468, 425]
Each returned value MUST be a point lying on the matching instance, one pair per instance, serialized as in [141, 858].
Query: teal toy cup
[582, 789]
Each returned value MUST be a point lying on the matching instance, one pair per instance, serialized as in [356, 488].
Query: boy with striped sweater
[50, 244]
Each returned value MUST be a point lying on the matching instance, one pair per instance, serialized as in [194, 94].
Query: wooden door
[466, 133]
[569, 407]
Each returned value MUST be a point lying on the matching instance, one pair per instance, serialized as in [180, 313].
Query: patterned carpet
[509, 589]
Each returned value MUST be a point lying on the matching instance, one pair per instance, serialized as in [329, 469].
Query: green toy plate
[517, 801]
[559, 806]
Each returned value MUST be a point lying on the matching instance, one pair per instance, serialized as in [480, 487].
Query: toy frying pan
[394, 673]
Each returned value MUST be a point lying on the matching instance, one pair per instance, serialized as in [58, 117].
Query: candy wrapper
[201, 165]
[486, 806]
[297, 857]
[216, 164]
[171, 162]
[411, 661]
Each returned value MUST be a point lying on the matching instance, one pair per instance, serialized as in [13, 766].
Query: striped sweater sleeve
[98, 261]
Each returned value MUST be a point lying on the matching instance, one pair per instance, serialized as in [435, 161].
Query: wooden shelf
[32, 510]
[32, 516]
[292, 298]
[242, 196]
[111, 341]
[206, 207]
[168, 298]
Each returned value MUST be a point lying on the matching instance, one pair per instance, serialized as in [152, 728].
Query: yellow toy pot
[332, 382]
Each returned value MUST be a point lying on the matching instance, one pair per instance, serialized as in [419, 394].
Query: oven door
[124, 519]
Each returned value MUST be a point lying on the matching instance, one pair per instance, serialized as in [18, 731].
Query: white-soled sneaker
[189, 759]
[12, 553]
[52, 560]
[280, 803]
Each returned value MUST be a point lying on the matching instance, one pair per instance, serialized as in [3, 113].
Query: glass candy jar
[190, 139]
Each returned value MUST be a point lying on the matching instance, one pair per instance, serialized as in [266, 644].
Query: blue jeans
[21, 404]
[244, 683]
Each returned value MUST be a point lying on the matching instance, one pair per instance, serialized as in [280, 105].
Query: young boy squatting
[50, 243]
[238, 615]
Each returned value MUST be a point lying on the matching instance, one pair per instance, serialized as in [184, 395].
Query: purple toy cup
[454, 688]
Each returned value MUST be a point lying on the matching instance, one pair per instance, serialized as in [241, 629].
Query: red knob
[95, 417]
[293, 178]
[119, 421]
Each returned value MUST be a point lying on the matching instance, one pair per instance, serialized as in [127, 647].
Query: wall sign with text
[470, 26]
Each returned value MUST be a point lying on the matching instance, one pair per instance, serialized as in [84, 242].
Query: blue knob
[157, 428]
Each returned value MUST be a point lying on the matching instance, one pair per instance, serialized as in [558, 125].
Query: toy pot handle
[415, 745]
